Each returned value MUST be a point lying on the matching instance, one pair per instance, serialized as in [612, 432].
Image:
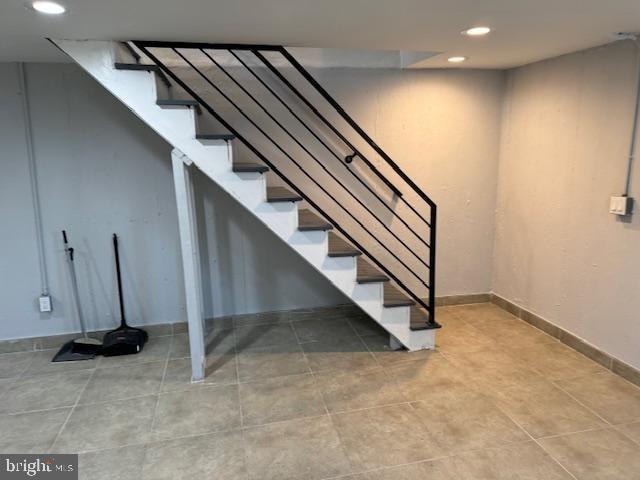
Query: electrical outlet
[45, 303]
[620, 205]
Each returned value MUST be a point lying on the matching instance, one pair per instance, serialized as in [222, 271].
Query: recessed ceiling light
[50, 8]
[456, 59]
[476, 31]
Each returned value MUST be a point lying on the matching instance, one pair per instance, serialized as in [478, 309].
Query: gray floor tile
[44, 392]
[32, 432]
[339, 354]
[385, 436]
[611, 397]
[15, 364]
[467, 421]
[123, 463]
[378, 345]
[107, 425]
[297, 449]
[364, 325]
[556, 361]
[202, 410]
[212, 456]
[524, 461]
[219, 370]
[631, 430]
[42, 364]
[358, 389]
[422, 379]
[259, 336]
[493, 368]
[281, 398]
[108, 384]
[272, 361]
[155, 350]
[596, 455]
[323, 330]
[463, 337]
[542, 409]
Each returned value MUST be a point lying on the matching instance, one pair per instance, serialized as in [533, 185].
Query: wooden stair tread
[282, 194]
[367, 273]
[338, 247]
[215, 136]
[395, 298]
[244, 167]
[137, 66]
[171, 102]
[309, 221]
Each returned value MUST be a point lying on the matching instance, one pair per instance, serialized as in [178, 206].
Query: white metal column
[183, 182]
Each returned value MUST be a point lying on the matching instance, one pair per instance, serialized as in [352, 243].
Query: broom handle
[123, 322]
[74, 283]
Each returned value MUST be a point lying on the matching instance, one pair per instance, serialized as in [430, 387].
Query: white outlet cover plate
[620, 205]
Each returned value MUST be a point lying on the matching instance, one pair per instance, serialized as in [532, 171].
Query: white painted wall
[101, 170]
[559, 253]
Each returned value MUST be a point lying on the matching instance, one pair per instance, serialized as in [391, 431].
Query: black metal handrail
[256, 51]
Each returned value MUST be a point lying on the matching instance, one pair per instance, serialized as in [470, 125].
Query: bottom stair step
[419, 319]
[395, 298]
[309, 221]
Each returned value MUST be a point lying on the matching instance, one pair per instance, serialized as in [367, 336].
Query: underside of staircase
[142, 87]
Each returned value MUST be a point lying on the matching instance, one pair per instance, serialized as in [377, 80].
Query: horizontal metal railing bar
[297, 165]
[197, 45]
[311, 107]
[284, 152]
[321, 164]
[353, 124]
[329, 149]
[430, 306]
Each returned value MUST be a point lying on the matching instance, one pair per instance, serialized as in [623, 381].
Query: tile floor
[324, 398]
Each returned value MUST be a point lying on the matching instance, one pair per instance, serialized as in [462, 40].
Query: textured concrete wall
[559, 253]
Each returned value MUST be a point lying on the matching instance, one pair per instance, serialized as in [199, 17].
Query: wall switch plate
[620, 205]
[45, 303]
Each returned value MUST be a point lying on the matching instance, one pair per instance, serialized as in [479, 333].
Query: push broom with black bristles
[124, 340]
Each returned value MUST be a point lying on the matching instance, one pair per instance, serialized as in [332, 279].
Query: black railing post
[432, 264]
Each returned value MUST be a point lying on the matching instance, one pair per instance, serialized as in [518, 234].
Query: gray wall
[102, 171]
[559, 253]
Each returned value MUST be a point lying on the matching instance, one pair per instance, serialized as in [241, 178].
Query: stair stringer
[138, 91]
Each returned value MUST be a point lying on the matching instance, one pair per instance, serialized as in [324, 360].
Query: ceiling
[523, 30]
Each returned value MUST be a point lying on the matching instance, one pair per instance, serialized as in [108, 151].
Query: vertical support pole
[183, 183]
[432, 264]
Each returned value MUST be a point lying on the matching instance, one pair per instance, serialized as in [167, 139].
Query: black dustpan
[124, 340]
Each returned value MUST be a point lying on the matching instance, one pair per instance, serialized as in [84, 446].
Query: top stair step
[367, 273]
[395, 298]
[309, 221]
[419, 319]
[341, 248]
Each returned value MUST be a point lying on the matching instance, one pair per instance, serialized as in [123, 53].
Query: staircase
[164, 85]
